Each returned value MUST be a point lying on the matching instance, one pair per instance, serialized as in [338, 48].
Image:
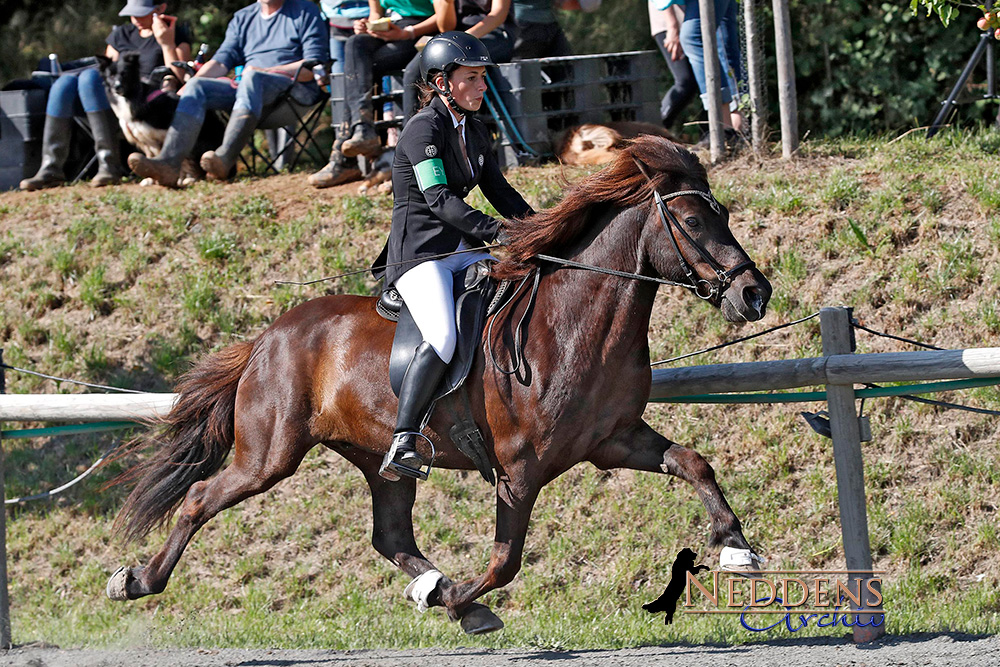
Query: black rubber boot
[165, 168]
[364, 140]
[420, 382]
[104, 127]
[337, 171]
[56, 136]
[239, 131]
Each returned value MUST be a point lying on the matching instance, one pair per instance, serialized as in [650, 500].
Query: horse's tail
[192, 442]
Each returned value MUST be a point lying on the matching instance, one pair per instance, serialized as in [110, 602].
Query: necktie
[466, 165]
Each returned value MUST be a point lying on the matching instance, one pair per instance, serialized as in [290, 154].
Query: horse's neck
[614, 310]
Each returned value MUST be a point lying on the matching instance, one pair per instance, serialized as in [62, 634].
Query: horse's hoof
[118, 583]
[479, 620]
[419, 590]
[743, 562]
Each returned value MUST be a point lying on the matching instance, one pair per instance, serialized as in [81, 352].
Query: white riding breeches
[428, 290]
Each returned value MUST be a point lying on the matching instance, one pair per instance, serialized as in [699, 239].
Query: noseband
[706, 289]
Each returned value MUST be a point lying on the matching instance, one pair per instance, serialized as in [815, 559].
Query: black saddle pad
[475, 289]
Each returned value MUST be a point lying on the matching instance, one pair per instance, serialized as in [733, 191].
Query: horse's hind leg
[261, 460]
[639, 447]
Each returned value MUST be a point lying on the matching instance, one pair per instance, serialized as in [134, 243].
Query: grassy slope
[128, 285]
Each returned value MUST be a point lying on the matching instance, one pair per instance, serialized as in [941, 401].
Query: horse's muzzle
[746, 298]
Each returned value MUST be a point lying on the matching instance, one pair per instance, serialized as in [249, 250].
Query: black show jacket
[429, 186]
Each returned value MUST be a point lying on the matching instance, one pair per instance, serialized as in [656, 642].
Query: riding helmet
[445, 52]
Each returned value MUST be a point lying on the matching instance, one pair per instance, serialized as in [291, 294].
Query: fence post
[5, 639]
[713, 79]
[838, 338]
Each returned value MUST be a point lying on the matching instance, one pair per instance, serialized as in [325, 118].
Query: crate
[22, 123]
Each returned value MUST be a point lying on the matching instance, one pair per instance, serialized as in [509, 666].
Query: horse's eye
[691, 222]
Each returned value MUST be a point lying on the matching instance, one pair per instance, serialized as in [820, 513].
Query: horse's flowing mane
[621, 183]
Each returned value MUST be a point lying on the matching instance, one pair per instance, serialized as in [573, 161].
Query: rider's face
[468, 85]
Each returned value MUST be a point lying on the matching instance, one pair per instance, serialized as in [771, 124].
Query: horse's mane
[621, 183]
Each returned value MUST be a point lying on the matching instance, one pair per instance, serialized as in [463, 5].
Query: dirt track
[932, 650]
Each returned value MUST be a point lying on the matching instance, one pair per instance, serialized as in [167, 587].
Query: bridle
[704, 288]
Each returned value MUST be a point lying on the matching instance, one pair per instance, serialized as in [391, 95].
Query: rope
[857, 325]
[60, 489]
[79, 382]
[738, 340]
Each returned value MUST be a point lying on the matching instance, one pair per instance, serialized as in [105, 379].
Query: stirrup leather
[391, 468]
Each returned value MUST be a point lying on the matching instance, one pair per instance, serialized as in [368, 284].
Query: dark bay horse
[319, 375]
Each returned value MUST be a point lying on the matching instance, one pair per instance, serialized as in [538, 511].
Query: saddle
[477, 297]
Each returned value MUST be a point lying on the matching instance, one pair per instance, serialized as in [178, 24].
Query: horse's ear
[644, 168]
[103, 61]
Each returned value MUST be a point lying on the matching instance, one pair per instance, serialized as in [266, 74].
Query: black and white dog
[145, 110]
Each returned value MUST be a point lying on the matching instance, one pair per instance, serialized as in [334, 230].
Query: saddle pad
[475, 290]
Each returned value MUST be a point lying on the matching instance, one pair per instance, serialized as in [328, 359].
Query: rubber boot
[239, 131]
[364, 139]
[420, 382]
[165, 169]
[56, 137]
[104, 127]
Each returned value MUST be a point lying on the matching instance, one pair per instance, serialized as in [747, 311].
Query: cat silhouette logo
[667, 602]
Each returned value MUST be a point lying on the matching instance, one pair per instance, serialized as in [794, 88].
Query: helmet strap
[450, 99]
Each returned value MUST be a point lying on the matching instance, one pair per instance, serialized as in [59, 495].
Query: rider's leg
[427, 291]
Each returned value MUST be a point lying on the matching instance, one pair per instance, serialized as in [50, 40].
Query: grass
[131, 285]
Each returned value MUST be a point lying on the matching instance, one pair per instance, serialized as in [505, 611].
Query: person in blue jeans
[159, 40]
[270, 39]
[730, 61]
[341, 15]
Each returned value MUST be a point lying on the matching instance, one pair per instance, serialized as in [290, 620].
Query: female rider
[442, 154]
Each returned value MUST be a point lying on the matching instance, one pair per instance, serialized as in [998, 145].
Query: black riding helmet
[448, 51]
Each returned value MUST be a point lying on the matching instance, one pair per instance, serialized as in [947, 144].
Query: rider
[442, 154]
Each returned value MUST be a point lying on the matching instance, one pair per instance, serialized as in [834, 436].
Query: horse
[319, 376]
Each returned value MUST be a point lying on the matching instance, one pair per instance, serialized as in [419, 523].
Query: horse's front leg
[639, 447]
[515, 500]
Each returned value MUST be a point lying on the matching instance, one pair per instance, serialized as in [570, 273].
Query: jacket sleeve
[505, 199]
[424, 148]
[230, 54]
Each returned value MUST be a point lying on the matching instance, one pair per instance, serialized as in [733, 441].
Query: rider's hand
[502, 237]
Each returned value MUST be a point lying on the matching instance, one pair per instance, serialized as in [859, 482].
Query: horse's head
[686, 236]
[121, 78]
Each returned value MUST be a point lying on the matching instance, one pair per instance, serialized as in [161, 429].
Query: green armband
[430, 173]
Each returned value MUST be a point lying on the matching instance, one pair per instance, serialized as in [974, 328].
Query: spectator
[341, 15]
[538, 32]
[377, 47]
[271, 39]
[665, 26]
[159, 40]
[489, 20]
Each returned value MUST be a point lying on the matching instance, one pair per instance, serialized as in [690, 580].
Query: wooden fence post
[713, 79]
[755, 82]
[786, 79]
[5, 639]
[838, 338]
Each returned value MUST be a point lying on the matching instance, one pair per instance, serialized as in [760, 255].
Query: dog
[145, 110]
[667, 602]
[598, 144]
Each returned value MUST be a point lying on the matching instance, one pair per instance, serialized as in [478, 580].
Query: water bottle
[54, 67]
[320, 75]
[199, 59]
[239, 73]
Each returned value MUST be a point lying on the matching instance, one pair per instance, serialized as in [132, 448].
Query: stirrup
[391, 469]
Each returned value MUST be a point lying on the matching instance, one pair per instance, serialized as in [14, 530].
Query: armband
[430, 173]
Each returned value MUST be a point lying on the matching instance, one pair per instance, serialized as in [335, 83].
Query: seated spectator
[665, 26]
[377, 47]
[271, 39]
[538, 32]
[159, 40]
[489, 20]
[341, 15]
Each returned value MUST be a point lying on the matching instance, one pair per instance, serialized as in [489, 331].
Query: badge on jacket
[431, 150]
[480, 160]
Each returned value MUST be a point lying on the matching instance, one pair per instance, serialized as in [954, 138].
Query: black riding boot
[420, 381]
[55, 149]
[104, 127]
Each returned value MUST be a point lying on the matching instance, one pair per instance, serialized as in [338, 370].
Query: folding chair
[290, 124]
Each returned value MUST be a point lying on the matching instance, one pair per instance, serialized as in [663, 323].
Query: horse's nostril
[754, 300]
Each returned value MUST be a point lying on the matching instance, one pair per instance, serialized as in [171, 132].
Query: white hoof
[420, 589]
[740, 561]
[116, 584]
